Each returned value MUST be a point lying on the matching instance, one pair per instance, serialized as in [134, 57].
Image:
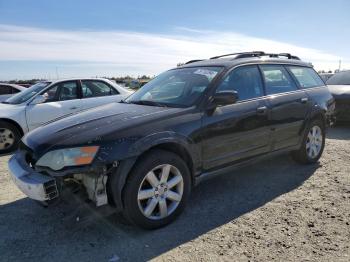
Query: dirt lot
[272, 210]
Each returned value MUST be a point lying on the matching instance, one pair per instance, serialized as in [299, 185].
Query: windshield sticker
[206, 72]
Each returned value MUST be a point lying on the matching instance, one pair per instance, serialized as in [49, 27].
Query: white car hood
[7, 110]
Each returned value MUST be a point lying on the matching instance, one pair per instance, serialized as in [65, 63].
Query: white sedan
[49, 100]
[8, 90]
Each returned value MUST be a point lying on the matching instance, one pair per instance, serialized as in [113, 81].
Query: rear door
[288, 105]
[61, 99]
[97, 92]
[240, 130]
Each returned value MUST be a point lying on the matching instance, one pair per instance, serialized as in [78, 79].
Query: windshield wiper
[147, 103]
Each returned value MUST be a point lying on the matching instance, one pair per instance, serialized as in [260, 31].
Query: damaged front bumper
[33, 184]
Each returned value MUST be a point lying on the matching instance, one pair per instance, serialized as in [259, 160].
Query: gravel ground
[272, 210]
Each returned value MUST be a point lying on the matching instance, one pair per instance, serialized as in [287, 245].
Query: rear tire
[9, 137]
[157, 190]
[312, 145]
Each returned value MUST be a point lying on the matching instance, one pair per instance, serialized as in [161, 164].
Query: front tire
[9, 137]
[157, 190]
[313, 143]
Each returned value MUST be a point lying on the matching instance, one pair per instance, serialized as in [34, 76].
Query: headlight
[61, 158]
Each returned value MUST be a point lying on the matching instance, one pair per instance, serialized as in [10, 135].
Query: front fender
[118, 178]
[155, 139]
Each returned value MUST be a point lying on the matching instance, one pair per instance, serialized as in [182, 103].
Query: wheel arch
[10, 121]
[319, 115]
[119, 178]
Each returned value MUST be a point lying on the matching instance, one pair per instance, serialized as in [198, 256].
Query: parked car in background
[339, 86]
[49, 100]
[326, 76]
[144, 155]
[8, 90]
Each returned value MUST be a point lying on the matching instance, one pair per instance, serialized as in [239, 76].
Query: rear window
[341, 78]
[5, 90]
[306, 77]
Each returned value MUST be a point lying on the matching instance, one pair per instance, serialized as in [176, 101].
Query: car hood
[94, 125]
[6, 110]
[340, 91]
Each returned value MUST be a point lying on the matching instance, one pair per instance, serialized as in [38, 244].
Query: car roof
[229, 62]
[121, 89]
[75, 79]
[14, 86]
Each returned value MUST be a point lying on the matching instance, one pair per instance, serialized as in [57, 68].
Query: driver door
[61, 99]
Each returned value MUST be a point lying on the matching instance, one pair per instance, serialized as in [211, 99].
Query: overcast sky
[46, 39]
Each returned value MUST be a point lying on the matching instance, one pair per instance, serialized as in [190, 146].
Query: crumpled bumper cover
[33, 184]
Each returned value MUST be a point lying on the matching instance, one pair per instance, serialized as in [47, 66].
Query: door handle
[304, 99]
[261, 110]
[73, 108]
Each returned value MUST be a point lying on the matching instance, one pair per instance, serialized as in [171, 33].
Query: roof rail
[192, 61]
[257, 54]
[243, 54]
[289, 56]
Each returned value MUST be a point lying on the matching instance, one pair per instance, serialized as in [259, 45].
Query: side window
[306, 77]
[15, 91]
[51, 95]
[245, 80]
[277, 79]
[62, 92]
[5, 90]
[93, 88]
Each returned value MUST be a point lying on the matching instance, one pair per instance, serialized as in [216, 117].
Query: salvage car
[339, 86]
[49, 100]
[144, 155]
[8, 90]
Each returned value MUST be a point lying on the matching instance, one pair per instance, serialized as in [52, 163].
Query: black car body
[339, 86]
[208, 138]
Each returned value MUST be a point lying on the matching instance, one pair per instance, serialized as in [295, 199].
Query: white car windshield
[27, 94]
[175, 88]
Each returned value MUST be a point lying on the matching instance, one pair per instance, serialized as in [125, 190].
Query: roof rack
[257, 54]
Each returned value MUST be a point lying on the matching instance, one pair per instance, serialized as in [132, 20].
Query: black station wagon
[143, 155]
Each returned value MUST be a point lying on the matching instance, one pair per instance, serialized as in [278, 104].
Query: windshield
[342, 78]
[27, 94]
[175, 88]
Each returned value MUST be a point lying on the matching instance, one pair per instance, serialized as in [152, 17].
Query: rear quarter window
[306, 77]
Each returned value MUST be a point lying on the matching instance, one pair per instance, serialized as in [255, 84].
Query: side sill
[241, 163]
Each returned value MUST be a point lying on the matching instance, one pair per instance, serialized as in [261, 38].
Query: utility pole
[57, 73]
[339, 65]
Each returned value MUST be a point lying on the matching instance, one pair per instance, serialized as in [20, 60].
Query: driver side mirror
[225, 98]
[38, 100]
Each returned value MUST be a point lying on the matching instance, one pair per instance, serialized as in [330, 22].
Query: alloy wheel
[160, 192]
[314, 142]
[7, 138]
